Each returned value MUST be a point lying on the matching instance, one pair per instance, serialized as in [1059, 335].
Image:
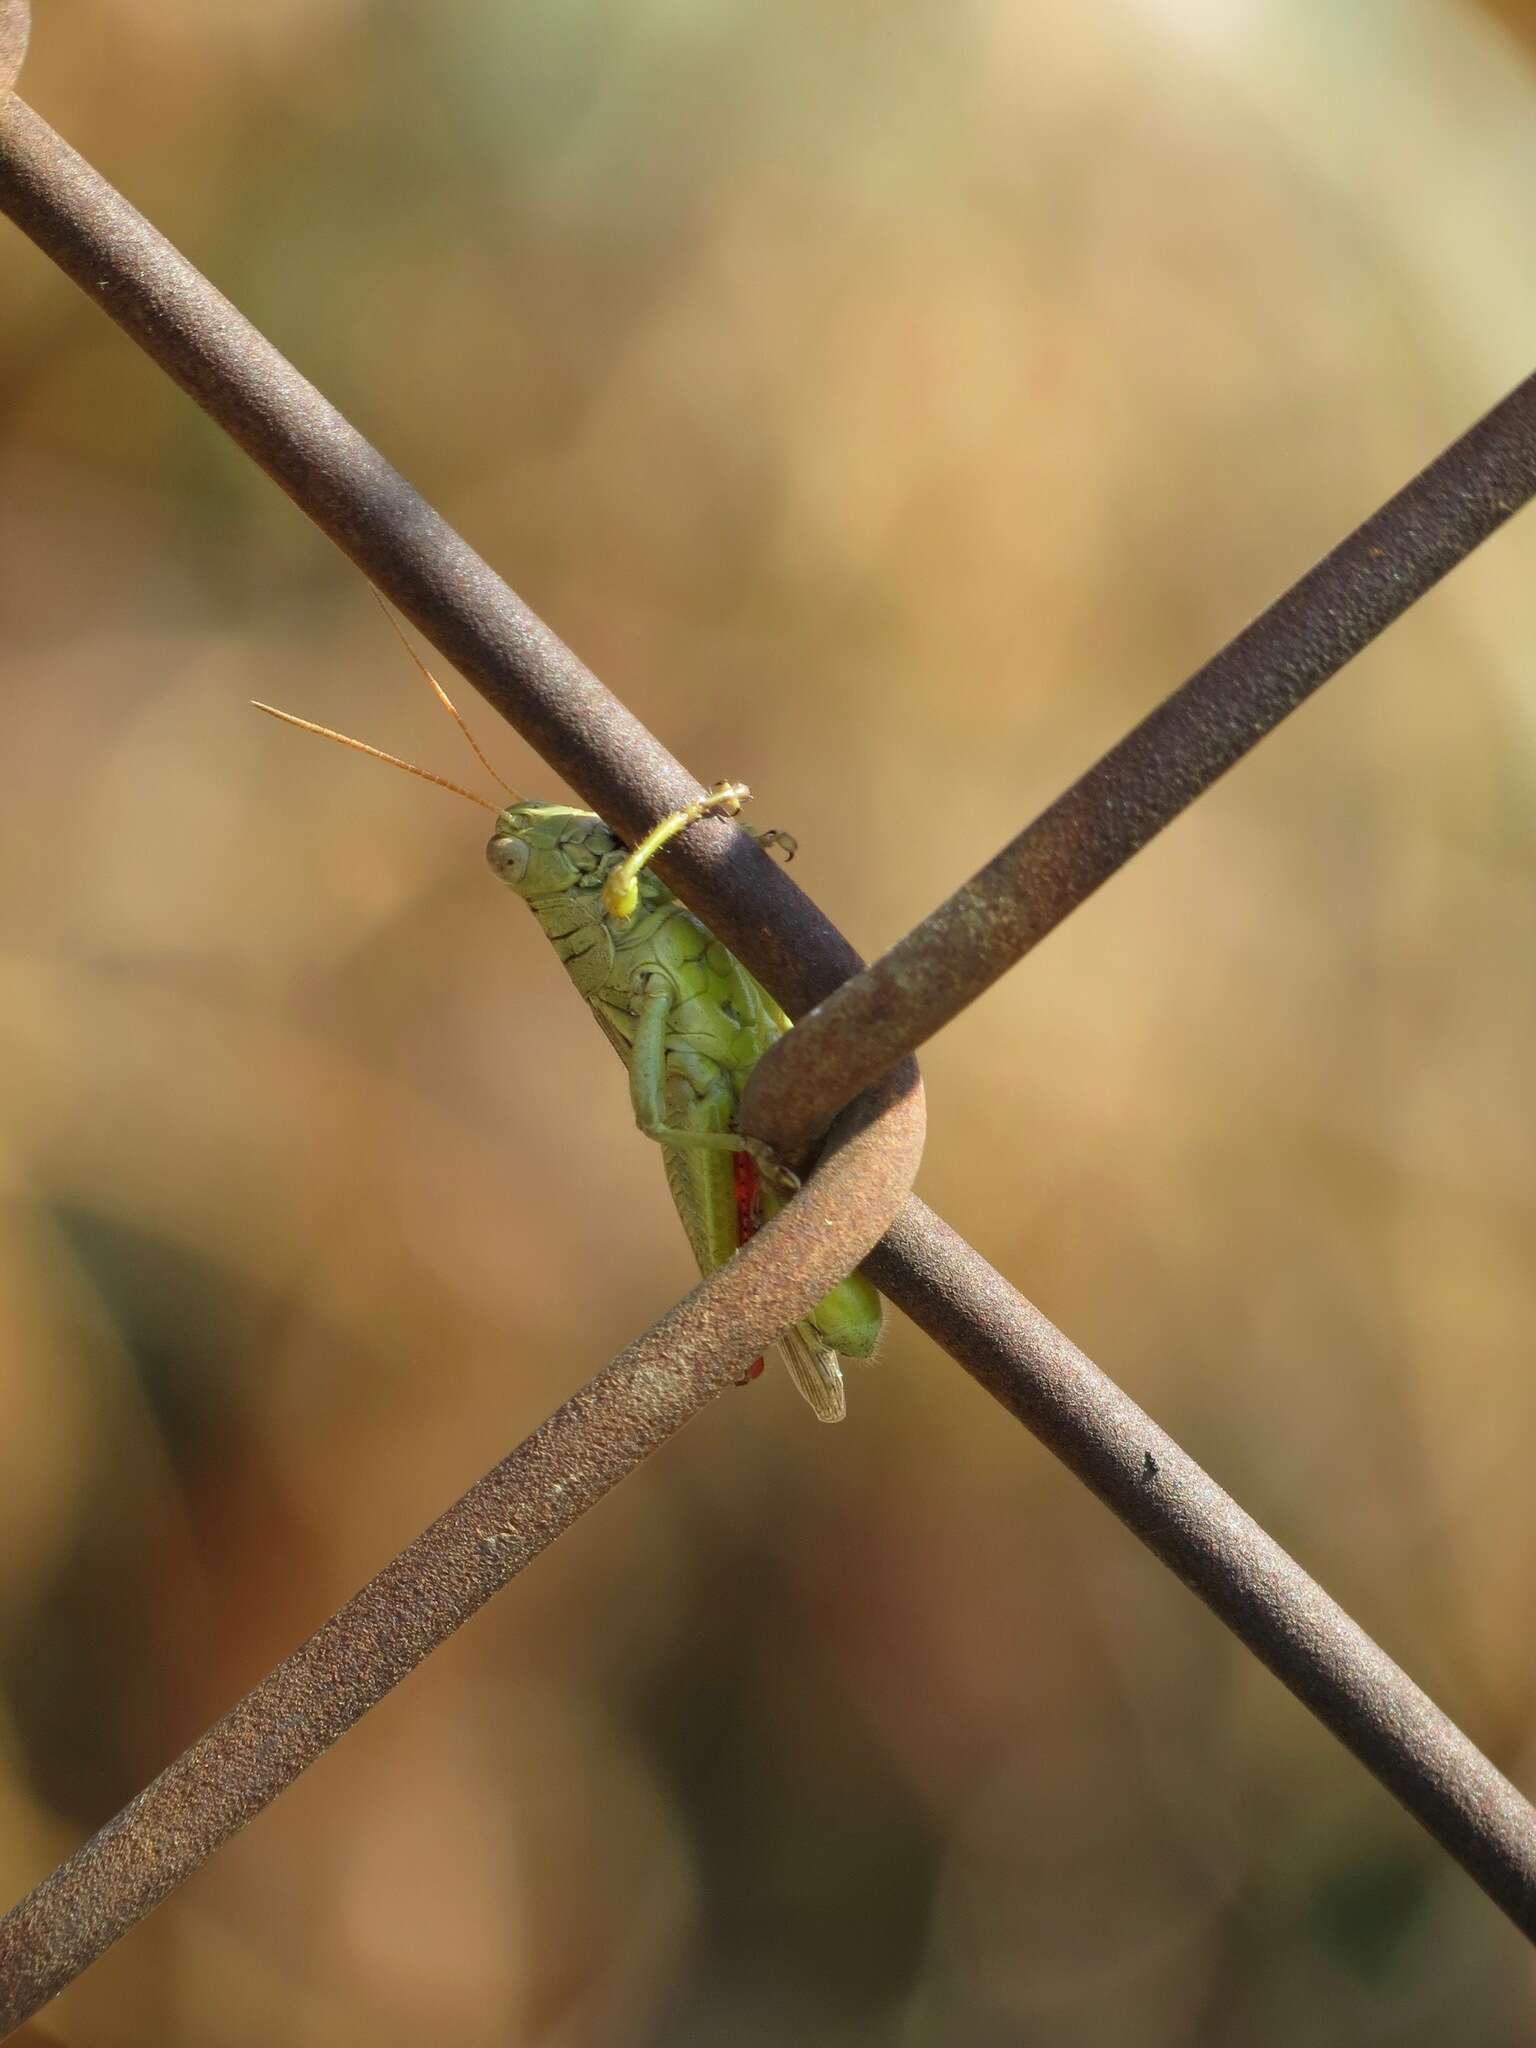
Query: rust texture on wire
[1156, 771]
[517, 1510]
[408, 550]
[1220, 1552]
[525, 671]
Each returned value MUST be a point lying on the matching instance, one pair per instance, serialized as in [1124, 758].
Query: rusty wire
[408, 551]
[1156, 771]
[347, 488]
[580, 1453]
[1261, 1593]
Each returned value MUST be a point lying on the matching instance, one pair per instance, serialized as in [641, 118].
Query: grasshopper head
[544, 849]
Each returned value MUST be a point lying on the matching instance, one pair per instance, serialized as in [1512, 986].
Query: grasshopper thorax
[541, 849]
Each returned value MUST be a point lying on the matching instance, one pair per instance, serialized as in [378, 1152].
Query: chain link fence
[848, 1065]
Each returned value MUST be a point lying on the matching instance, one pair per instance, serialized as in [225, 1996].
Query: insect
[682, 1013]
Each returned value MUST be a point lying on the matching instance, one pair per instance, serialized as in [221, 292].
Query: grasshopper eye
[508, 857]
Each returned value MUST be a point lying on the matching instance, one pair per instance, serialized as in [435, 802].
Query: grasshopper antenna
[376, 753]
[442, 696]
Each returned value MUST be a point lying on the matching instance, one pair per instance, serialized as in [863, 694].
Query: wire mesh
[528, 674]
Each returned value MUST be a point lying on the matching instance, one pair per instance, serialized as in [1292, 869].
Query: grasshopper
[682, 1013]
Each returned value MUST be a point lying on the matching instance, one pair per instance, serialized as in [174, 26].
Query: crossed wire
[849, 1059]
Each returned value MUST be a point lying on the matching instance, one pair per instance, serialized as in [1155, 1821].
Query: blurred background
[891, 403]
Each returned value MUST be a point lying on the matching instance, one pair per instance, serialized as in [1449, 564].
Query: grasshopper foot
[769, 1165]
[786, 842]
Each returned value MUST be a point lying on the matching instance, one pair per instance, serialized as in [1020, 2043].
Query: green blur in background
[891, 404]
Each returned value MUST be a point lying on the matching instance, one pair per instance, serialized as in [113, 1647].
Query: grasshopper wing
[815, 1371]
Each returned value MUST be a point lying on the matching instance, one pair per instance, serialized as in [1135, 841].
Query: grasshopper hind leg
[815, 1372]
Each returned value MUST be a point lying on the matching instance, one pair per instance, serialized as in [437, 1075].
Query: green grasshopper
[682, 1013]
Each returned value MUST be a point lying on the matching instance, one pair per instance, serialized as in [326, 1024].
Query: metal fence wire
[849, 1058]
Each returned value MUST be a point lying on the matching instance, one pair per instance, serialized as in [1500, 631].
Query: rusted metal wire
[1156, 771]
[517, 1510]
[1260, 1592]
[605, 754]
[408, 550]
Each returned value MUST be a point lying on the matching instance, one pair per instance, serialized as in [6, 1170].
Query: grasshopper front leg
[621, 891]
[648, 1089]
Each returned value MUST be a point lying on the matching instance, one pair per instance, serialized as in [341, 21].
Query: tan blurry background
[891, 404]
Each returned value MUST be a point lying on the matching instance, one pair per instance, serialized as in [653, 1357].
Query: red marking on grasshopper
[748, 1217]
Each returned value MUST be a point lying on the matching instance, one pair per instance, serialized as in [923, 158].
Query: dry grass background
[891, 404]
